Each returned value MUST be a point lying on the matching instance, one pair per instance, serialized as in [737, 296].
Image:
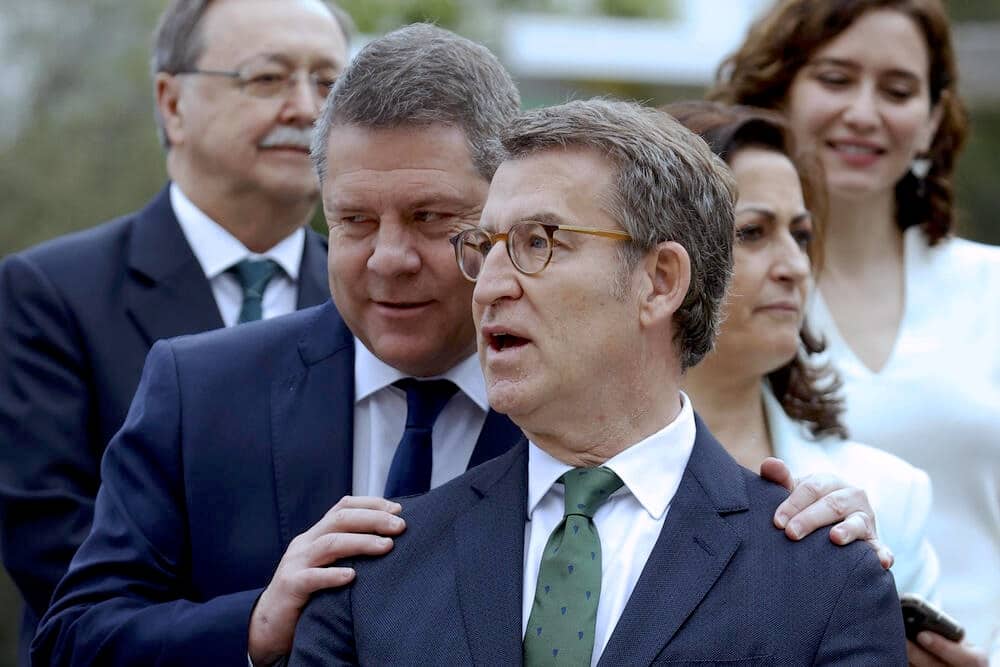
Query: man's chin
[509, 397]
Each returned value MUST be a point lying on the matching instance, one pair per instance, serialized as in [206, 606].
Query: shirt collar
[650, 469]
[217, 250]
[371, 374]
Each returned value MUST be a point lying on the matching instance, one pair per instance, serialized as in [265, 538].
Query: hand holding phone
[919, 614]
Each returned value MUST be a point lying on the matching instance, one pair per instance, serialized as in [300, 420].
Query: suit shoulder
[253, 339]
[814, 555]
[444, 498]
[81, 250]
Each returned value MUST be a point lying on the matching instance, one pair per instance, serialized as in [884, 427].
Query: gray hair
[423, 75]
[669, 186]
[177, 42]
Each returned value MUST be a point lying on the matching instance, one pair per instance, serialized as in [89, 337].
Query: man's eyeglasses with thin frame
[529, 245]
[269, 84]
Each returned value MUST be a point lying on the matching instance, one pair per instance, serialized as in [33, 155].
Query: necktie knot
[588, 488]
[253, 276]
[425, 399]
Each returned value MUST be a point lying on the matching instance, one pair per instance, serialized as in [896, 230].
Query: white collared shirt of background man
[217, 250]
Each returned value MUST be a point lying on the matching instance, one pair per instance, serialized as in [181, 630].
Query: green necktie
[253, 275]
[564, 613]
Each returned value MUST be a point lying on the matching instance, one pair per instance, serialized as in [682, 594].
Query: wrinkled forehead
[300, 31]
[563, 186]
[406, 165]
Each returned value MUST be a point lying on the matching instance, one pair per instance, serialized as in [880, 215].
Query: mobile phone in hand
[919, 614]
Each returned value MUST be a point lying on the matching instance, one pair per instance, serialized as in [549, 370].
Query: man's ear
[668, 276]
[168, 104]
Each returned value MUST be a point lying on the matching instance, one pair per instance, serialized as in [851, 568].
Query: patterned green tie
[564, 613]
[253, 275]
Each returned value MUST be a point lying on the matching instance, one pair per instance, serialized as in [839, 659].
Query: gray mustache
[298, 137]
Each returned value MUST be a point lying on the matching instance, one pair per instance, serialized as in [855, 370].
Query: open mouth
[506, 341]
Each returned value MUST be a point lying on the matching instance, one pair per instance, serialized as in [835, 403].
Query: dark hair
[808, 392]
[423, 75]
[177, 41]
[783, 41]
[668, 187]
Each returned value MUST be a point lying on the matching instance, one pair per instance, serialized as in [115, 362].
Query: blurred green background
[78, 146]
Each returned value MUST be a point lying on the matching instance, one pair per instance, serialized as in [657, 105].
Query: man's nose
[498, 278]
[302, 101]
[396, 248]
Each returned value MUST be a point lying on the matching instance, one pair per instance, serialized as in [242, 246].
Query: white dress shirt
[380, 418]
[217, 250]
[628, 524]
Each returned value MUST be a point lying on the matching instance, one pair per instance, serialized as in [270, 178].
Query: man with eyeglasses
[620, 532]
[237, 84]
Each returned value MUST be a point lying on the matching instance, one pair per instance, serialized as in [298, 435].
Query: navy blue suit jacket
[77, 317]
[722, 585]
[237, 441]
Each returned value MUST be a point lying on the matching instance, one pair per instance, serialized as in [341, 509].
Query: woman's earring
[920, 167]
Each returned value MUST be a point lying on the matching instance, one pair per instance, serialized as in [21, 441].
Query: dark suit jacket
[77, 317]
[722, 585]
[237, 441]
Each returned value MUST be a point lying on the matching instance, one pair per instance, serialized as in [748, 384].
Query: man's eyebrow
[544, 217]
[287, 61]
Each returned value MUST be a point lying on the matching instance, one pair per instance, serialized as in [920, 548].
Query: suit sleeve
[325, 632]
[48, 468]
[123, 600]
[866, 625]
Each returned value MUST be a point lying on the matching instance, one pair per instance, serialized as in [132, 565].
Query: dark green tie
[253, 275]
[564, 613]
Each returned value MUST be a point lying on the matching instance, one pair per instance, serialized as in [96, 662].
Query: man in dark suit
[79, 314]
[213, 524]
[620, 532]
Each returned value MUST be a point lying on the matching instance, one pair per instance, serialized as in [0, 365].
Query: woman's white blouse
[936, 404]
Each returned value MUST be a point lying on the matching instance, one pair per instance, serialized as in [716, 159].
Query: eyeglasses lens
[529, 246]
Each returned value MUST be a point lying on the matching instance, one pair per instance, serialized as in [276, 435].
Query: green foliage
[379, 16]
[974, 10]
[656, 9]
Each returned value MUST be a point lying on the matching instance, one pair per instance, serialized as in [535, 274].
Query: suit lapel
[314, 288]
[489, 544]
[168, 294]
[312, 410]
[499, 434]
[694, 547]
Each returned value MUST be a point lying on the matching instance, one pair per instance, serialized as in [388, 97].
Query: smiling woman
[871, 87]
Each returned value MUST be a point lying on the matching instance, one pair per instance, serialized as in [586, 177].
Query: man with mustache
[237, 87]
